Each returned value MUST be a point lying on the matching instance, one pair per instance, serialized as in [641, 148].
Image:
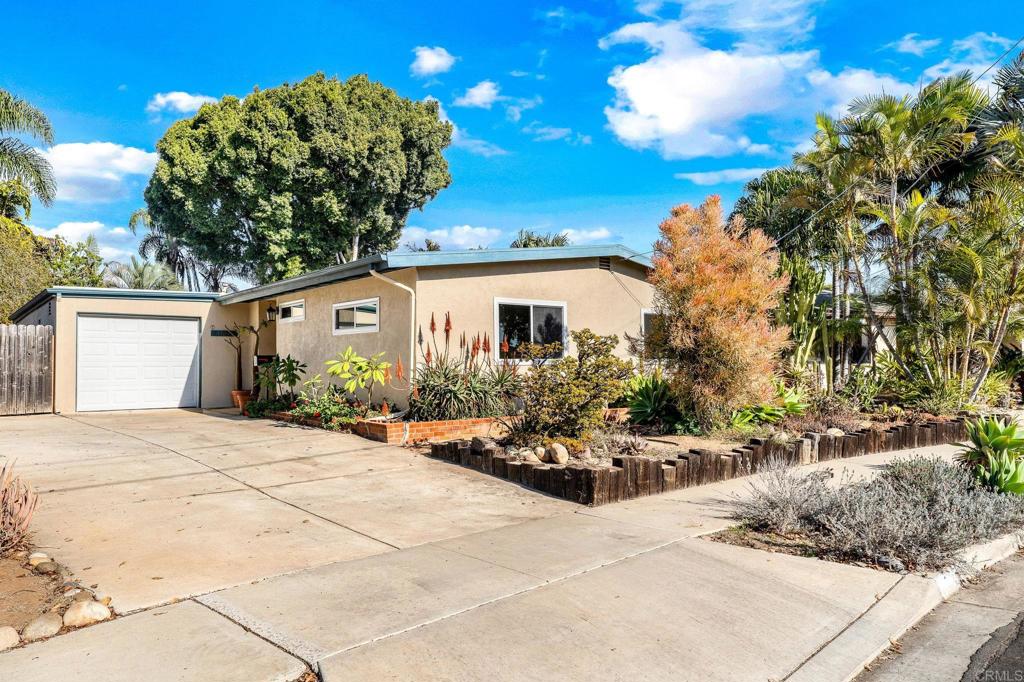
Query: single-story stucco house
[121, 349]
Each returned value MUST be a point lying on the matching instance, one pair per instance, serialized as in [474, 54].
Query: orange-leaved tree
[716, 286]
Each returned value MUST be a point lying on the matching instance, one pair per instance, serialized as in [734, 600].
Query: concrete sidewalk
[615, 592]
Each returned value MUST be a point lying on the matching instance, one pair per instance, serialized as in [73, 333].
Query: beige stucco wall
[606, 302]
[312, 340]
[218, 359]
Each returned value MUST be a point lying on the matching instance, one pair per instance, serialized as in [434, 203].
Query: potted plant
[239, 396]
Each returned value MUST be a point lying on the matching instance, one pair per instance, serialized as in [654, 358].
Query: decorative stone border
[630, 477]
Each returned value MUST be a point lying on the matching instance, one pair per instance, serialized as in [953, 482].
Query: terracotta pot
[239, 398]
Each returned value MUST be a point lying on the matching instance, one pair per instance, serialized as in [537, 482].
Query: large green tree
[299, 176]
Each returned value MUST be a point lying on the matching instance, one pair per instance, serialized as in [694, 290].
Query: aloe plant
[1002, 472]
[990, 437]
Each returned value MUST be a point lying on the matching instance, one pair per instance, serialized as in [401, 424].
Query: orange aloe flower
[399, 369]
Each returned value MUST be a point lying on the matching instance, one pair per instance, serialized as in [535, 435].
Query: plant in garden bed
[995, 454]
[462, 383]
[652, 404]
[326, 404]
[360, 373]
[564, 399]
[17, 504]
[915, 515]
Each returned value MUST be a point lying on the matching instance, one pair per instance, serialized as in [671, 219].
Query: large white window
[293, 311]
[356, 317]
[517, 322]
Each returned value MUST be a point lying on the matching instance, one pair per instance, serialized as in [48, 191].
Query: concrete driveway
[304, 550]
[158, 506]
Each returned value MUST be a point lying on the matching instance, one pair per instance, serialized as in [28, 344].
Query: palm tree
[163, 248]
[528, 239]
[140, 274]
[18, 159]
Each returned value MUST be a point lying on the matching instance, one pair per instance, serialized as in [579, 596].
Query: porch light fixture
[271, 313]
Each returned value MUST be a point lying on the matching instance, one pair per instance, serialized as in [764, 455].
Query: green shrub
[789, 402]
[565, 398]
[360, 373]
[650, 400]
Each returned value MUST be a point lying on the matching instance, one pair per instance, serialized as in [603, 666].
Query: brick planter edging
[630, 477]
[401, 432]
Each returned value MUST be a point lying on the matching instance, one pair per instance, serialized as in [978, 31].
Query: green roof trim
[102, 292]
[427, 259]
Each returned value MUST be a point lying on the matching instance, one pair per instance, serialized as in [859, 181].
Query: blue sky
[590, 117]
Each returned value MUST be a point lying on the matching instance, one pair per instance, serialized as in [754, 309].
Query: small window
[520, 322]
[648, 317]
[293, 311]
[356, 317]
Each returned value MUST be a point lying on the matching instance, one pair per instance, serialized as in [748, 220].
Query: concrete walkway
[967, 638]
[488, 581]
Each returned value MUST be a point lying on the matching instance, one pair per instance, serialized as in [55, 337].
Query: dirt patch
[797, 545]
[23, 594]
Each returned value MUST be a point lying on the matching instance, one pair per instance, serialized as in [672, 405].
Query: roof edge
[110, 292]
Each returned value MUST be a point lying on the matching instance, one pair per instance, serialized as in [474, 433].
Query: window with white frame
[293, 311]
[356, 317]
[518, 322]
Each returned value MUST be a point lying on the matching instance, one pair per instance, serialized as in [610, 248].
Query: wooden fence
[26, 369]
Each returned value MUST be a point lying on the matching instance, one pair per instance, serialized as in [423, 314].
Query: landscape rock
[556, 453]
[539, 452]
[82, 595]
[36, 558]
[85, 613]
[46, 625]
[527, 455]
[479, 444]
[8, 638]
[835, 432]
[47, 568]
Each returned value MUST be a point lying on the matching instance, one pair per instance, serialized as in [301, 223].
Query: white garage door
[131, 363]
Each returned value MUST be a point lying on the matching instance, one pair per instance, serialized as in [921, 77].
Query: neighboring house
[119, 349]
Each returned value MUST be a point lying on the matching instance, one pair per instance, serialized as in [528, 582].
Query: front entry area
[137, 362]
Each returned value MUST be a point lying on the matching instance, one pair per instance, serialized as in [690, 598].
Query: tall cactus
[800, 309]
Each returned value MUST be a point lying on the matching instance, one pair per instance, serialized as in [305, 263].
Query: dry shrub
[917, 514]
[17, 503]
[716, 286]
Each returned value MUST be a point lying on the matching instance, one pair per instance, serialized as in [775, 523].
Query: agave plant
[1002, 472]
[650, 400]
[17, 503]
[990, 438]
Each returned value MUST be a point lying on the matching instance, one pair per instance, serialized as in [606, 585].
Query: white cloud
[975, 53]
[514, 110]
[178, 101]
[687, 100]
[913, 44]
[431, 61]
[457, 237]
[564, 19]
[842, 88]
[718, 177]
[763, 23]
[597, 234]
[463, 140]
[482, 95]
[71, 231]
[546, 133]
[97, 172]
[109, 253]
[120, 233]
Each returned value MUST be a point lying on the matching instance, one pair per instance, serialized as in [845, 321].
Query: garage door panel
[137, 363]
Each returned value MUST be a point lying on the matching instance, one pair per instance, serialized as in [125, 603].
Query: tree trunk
[1003, 322]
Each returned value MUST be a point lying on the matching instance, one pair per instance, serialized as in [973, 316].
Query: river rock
[36, 558]
[8, 638]
[47, 568]
[46, 625]
[556, 453]
[539, 452]
[835, 432]
[85, 613]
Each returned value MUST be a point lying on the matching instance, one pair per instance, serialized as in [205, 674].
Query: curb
[908, 601]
